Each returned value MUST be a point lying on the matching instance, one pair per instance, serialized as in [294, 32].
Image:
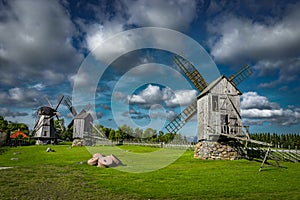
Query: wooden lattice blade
[191, 73]
[241, 75]
[180, 120]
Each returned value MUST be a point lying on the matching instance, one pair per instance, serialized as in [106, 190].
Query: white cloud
[151, 95]
[172, 14]
[177, 15]
[182, 97]
[169, 115]
[271, 44]
[155, 95]
[256, 110]
[253, 100]
[98, 33]
[244, 39]
[118, 95]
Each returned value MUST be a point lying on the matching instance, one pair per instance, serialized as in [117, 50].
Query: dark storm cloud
[8, 113]
[36, 43]
[268, 36]
[20, 97]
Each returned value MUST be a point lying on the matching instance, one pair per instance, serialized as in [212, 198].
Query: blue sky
[43, 44]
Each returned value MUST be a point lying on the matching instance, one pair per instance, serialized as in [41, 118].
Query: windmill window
[45, 133]
[215, 103]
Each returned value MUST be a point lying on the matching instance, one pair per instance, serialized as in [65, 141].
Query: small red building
[18, 134]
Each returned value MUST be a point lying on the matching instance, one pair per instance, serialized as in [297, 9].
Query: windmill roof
[83, 114]
[16, 134]
[213, 84]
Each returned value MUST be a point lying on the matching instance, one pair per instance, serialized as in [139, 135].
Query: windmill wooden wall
[46, 131]
[218, 108]
[82, 125]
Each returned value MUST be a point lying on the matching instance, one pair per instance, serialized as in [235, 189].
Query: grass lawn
[59, 175]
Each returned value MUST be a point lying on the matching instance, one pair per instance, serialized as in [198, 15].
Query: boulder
[93, 161]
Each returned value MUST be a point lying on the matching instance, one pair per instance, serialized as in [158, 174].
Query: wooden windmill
[217, 106]
[44, 130]
[82, 122]
[83, 126]
[220, 98]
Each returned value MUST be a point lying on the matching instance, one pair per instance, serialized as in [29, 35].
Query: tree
[3, 124]
[111, 135]
[68, 134]
[60, 128]
[127, 132]
[169, 137]
[15, 126]
[138, 134]
[149, 132]
[160, 136]
[3, 128]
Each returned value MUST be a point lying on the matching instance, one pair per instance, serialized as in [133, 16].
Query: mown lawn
[61, 175]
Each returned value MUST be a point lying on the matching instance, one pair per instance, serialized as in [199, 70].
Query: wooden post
[290, 152]
[265, 159]
[282, 152]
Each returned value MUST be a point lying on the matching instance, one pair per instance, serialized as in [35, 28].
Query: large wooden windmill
[44, 130]
[217, 107]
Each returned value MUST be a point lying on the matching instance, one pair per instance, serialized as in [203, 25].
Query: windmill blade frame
[199, 82]
[67, 102]
[191, 73]
[181, 119]
[59, 102]
[243, 73]
[48, 101]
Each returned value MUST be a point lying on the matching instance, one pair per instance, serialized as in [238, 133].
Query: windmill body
[218, 110]
[45, 125]
[82, 122]
[82, 126]
[44, 129]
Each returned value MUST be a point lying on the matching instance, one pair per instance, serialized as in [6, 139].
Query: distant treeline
[139, 135]
[286, 141]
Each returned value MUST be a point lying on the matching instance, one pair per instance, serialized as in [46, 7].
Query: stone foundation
[82, 142]
[218, 150]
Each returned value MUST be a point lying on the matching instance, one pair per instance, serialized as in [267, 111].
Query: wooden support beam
[247, 139]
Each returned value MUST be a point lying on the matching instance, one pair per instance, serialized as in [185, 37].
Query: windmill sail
[191, 73]
[68, 103]
[241, 75]
[199, 82]
[180, 120]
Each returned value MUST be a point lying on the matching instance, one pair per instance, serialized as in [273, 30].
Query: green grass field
[59, 175]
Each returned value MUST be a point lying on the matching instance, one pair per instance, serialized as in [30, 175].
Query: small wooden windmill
[217, 107]
[44, 130]
[82, 122]
[83, 126]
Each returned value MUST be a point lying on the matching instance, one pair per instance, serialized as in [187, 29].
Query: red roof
[16, 134]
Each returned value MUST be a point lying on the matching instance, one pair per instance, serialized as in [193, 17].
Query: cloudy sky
[43, 45]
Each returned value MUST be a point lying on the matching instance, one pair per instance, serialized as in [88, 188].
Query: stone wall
[218, 150]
